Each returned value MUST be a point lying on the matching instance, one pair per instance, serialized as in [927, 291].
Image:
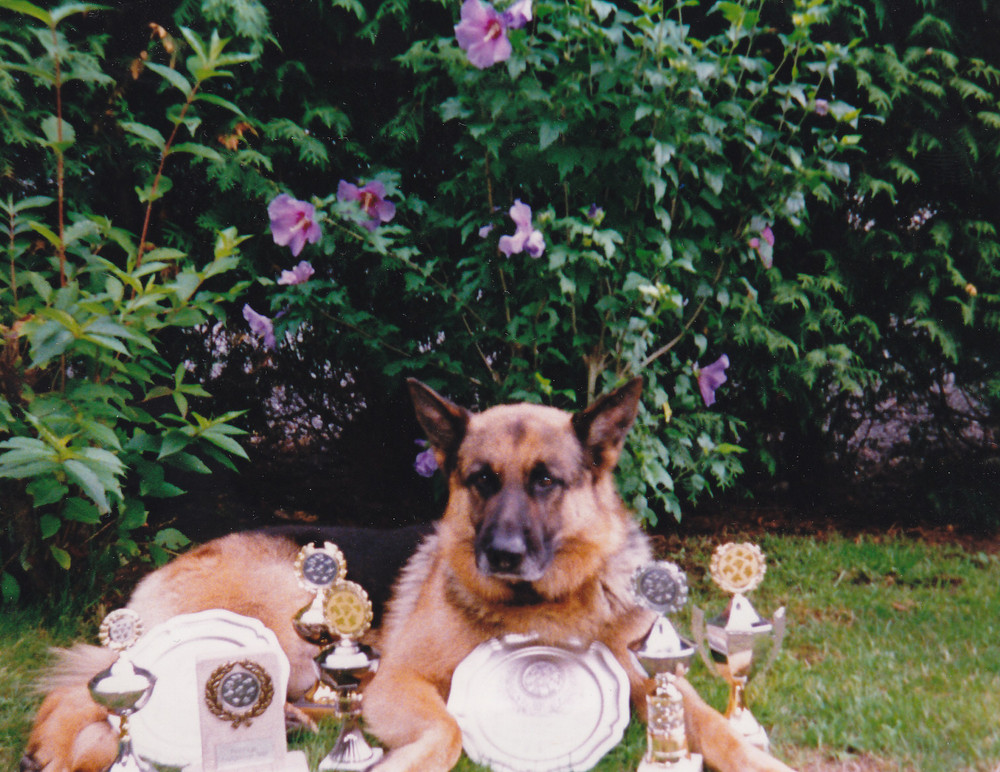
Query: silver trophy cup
[664, 655]
[123, 688]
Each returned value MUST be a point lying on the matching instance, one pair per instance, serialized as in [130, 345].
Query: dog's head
[527, 482]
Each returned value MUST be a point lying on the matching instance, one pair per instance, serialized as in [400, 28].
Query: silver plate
[523, 707]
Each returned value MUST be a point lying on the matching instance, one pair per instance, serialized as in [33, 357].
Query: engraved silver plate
[523, 707]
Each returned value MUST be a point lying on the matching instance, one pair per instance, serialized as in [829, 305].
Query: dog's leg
[71, 734]
[407, 713]
[711, 735]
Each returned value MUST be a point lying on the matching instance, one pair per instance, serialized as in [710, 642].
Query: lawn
[891, 661]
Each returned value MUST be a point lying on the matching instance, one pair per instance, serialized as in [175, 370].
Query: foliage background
[691, 125]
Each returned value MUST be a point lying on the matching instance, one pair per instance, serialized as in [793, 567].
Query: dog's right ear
[602, 427]
[443, 421]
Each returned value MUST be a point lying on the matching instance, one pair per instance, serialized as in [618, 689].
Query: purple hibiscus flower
[425, 463]
[371, 198]
[293, 223]
[711, 377]
[260, 325]
[298, 275]
[764, 246]
[482, 34]
[525, 237]
[518, 14]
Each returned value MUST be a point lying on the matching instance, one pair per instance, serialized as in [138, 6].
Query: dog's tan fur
[531, 476]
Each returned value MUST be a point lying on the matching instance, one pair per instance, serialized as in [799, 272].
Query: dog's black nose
[506, 552]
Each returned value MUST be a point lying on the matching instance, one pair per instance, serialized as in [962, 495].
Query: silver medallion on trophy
[339, 614]
[664, 655]
[123, 688]
[739, 644]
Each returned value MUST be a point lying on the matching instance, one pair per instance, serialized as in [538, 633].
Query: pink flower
[518, 14]
[822, 107]
[293, 223]
[298, 275]
[425, 463]
[525, 237]
[371, 198]
[485, 230]
[711, 377]
[764, 248]
[482, 34]
[260, 325]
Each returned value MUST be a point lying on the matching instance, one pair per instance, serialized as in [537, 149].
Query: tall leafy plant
[92, 415]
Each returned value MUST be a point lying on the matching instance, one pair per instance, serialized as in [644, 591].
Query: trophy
[663, 654]
[318, 569]
[346, 667]
[739, 643]
[123, 688]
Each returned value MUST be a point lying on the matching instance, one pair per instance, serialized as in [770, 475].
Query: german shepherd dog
[534, 540]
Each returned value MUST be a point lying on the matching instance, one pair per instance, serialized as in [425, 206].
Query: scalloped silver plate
[523, 707]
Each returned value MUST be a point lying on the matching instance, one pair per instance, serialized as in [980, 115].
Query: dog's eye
[484, 482]
[542, 482]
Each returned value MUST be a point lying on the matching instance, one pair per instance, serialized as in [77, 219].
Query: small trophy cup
[739, 643]
[663, 654]
[346, 667]
[318, 568]
[123, 688]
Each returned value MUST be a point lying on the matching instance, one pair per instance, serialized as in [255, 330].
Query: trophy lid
[320, 567]
[738, 568]
[347, 609]
[660, 586]
[120, 629]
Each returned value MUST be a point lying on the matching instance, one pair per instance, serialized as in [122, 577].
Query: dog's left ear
[444, 422]
[602, 426]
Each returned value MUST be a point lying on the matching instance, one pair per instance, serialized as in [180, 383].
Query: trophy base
[131, 763]
[352, 753]
[744, 722]
[692, 763]
[294, 761]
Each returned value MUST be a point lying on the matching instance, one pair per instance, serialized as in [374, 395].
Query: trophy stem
[128, 760]
[741, 718]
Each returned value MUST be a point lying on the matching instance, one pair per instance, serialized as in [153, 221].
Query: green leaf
[81, 511]
[9, 587]
[49, 525]
[28, 9]
[144, 132]
[212, 99]
[48, 233]
[88, 480]
[196, 148]
[61, 12]
[171, 76]
[171, 539]
[147, 194]
[61, 556]
[58, 133]
[46, 490]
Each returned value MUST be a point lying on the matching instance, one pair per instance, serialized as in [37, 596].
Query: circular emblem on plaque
[347, 610]
[661, 586]
[542, 679]
[320, 567]
[738, 567]
[120, 629]
[238, 692]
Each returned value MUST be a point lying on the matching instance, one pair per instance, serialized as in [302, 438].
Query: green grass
[892, 652]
